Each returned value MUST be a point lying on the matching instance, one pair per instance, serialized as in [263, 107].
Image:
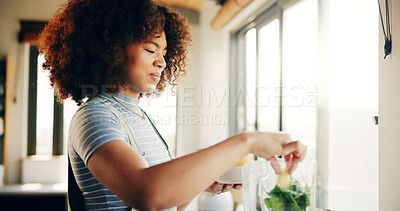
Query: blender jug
[251, 175]
[262, 192]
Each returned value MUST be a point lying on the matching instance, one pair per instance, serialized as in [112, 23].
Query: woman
[110, 53]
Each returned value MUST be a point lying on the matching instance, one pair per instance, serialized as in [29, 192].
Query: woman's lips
[155, 77]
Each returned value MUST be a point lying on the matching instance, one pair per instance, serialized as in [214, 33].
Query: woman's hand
[218, 188]
[270, 144]
[294, 152]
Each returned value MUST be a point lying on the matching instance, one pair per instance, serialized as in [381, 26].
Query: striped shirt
[94, 125]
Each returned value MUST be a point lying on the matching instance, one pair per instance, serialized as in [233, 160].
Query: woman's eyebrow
[154, 43]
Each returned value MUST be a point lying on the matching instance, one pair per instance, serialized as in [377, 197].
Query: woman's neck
[129, 93]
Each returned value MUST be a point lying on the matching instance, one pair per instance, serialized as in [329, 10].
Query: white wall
[389, 117]
[11, 12]
[214, 71]
[187, 134]
[213, 79]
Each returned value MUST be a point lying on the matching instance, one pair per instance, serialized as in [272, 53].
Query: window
[44, 118]
[2, 107]
[278, 53]
[48, 121]
[299, 63]
[318, 84]
[268, 114]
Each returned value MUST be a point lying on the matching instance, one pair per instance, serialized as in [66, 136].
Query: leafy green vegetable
[296, 198]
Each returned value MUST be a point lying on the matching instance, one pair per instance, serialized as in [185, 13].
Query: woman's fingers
[288, 160]
[294, 152]
[269, 145]
[293, 165]
[237, 186]
[227, 187]
[218, 188]
[295, 148]
[275, 165]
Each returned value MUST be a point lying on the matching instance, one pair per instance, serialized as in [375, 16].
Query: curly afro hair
[85, 44]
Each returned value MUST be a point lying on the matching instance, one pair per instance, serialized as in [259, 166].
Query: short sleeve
[93, 126]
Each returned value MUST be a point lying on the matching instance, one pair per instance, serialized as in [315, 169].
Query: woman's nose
[160, 62]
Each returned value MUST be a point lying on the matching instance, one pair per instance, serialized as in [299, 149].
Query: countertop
[34, 189]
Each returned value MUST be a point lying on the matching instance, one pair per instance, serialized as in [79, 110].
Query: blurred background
[312, 68]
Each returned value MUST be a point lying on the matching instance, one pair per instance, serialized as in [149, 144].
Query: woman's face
[145, 64]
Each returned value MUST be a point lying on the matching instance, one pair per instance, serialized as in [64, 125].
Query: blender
[261, 190]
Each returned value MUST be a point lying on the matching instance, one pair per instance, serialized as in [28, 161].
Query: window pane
[251, 50]
[268, 77]
[299, 64]
[45, 104]
[162, 110]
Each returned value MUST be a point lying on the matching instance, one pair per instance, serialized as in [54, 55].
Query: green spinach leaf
[296, 198]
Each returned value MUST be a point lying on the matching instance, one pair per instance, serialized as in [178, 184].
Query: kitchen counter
[34, 189]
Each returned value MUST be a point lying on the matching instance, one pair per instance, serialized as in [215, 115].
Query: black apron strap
[75, 197]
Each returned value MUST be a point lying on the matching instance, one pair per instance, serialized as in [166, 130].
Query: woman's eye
[150, 51]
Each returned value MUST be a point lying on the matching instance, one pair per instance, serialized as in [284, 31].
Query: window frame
[58, 117]
[274, 11]
[3, 72]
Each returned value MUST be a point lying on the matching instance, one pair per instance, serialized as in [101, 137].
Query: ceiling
[229, 8]
[195, 5]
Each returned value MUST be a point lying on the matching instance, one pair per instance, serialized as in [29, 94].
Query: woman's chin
[150, 89]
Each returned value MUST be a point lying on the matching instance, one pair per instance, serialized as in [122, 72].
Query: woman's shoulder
[98, 102]
[96, 107]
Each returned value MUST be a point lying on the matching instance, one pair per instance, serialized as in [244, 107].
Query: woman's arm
[124, 172]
